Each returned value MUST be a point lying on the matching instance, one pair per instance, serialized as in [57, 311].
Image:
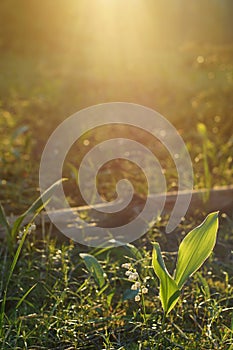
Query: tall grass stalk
[26, 231]
[202, 131]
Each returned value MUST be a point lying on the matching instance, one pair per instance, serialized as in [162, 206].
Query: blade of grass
[10, 273]
[25, 295]
[3, 220]
[35, 207]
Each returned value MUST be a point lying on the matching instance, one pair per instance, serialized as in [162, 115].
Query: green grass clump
[55, 301]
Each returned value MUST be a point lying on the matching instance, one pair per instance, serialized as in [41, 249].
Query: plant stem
[145, 320]
[161, 332]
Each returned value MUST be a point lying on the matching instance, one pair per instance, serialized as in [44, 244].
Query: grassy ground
[53, 302]
[67, 309]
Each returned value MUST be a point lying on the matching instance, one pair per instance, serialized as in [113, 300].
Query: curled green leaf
[169, 291]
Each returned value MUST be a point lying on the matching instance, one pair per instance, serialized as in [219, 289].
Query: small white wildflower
[135, 275]
[146, 279]
[137, 298]
[31, 228]
[134, 287]
[126, 266]
[128, 273]
[144, 290]
[131, 276]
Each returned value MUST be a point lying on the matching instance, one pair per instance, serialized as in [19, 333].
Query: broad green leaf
[94, 268]
[169, 291]
[196, 248]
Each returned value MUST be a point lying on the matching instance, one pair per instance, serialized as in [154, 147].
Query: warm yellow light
[116, 32]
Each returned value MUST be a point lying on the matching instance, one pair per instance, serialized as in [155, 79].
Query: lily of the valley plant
[193, 251]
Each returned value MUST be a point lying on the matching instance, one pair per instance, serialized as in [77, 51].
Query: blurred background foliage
[57, 57]
[30, 25]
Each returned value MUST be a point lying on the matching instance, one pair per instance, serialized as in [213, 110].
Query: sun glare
[117, 33]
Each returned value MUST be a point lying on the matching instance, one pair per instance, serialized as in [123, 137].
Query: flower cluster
[137, 285]
[29, 228]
